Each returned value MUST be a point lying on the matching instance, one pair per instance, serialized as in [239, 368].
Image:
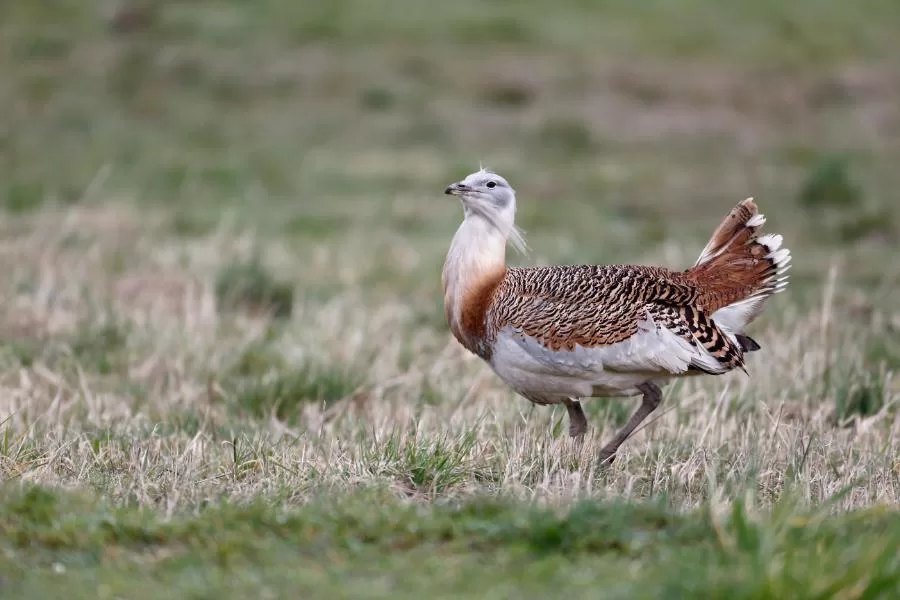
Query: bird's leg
[577, 420]
[652, 398]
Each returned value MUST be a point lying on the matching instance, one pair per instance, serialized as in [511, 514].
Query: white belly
[548, 377]
[551, 389]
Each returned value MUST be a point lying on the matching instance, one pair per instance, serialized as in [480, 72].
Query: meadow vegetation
[225, 369]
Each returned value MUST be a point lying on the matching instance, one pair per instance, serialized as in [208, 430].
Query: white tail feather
[736, 243]
[735, 317]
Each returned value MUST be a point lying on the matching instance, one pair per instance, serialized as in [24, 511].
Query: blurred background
[174, 173]
[326, 132]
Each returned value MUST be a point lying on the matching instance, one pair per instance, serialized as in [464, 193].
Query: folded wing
[581, 320]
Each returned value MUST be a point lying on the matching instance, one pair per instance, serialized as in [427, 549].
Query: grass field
[225, 369]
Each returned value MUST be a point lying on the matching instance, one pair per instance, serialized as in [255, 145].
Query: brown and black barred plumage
[556, 334]
[589, 305]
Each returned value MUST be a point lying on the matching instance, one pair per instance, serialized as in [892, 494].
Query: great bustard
[556, 334]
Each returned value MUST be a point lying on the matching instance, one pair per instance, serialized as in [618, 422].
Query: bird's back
[587, 305]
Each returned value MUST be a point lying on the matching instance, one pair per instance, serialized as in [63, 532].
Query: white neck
[477, 252]
[477, 245]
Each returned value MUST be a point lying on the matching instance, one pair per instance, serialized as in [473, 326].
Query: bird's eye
[492, 184]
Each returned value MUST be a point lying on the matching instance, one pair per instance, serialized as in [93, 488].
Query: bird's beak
[456, 189]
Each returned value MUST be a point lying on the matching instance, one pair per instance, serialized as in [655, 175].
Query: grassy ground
[225, 367]
[359, 545]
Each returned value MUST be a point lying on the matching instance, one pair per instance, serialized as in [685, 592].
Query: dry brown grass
[150, 410]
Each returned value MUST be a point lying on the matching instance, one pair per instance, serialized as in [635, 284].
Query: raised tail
[739, 270]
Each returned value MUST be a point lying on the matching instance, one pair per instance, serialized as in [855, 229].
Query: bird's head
[484, 190]
[488, 196]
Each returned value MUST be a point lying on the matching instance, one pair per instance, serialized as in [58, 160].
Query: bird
[563, 333]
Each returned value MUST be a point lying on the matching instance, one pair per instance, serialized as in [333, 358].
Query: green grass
[367, 544]
[281, 394]
[225, 365]
[248, 286]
